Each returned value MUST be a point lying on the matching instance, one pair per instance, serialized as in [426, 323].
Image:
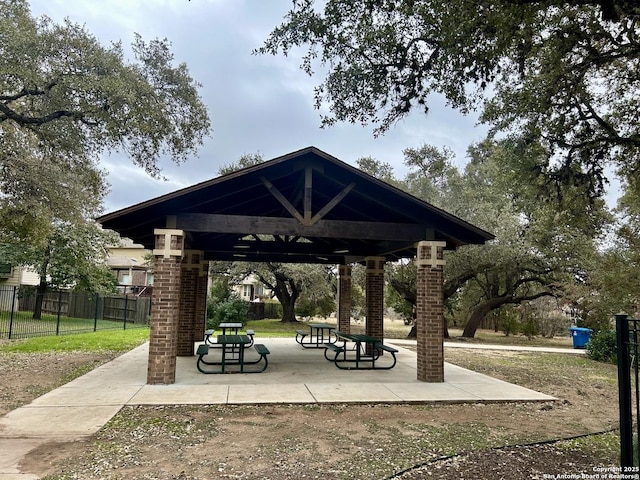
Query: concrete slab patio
[295, 375]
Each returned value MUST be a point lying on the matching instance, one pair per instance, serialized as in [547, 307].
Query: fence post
[126, 311]
[59, 310]
[95, 314]
[624, 391]
[13, 309]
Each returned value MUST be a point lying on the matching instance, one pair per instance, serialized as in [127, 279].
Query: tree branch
[7, 113]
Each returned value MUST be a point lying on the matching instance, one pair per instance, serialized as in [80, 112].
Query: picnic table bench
[230, 344]
[208, 334]
[357, 358]
[320, 335]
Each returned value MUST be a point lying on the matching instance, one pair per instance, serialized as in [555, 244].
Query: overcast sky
[257, 104]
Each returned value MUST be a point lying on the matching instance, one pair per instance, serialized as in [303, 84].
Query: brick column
[430, 311]
[188, 302]
[344, 298]
[163, 339]
[202, 285]
[375, 296]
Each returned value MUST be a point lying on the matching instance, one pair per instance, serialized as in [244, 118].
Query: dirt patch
[351, 441]
[26, 376]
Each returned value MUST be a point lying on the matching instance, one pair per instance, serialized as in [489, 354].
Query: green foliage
[306, 308]
[529, 326]
[614, 273]
[289, 283]
[358, 292]
[602, 346]
[540, 249]
[219, 292]
[233, 309]
[65, 99]
[247, 160]
[537, 68]
[326, 306]
[399, 305]
[508, 321]
[73, 256]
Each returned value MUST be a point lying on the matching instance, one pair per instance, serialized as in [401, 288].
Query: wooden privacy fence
[127, 308]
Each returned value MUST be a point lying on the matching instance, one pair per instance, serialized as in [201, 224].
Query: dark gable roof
[349, 215]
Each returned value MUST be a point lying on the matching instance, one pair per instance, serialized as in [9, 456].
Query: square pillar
[202, 285]
[163, 338]
[430, 311]
[344, 298]
[375, 296]
[191, 269]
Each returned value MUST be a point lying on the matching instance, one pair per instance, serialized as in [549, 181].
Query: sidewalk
[80, 408]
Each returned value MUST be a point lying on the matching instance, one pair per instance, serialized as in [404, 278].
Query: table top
[234, 339]
[322, 325]
[230, 325]
[358, 337]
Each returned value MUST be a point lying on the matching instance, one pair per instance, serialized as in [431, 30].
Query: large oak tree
[65, 99]
[542, 248]
[559, 72]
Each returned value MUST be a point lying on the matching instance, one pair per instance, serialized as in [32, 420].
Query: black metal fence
[26, 313]
[628, 335]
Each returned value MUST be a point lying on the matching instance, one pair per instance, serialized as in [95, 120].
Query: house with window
[128, 263]
[17, 276]
[252, 290]
[11, 279]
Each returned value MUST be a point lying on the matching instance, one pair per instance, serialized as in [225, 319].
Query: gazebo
[303, 207]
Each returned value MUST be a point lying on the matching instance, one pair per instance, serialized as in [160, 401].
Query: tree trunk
[477, 315]
[413, 333]
[287, 291]
[481, 311]
[40, 291]
[289, 312]
[42, 286]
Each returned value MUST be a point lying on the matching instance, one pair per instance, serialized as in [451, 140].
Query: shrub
[530, 327]
[306, 308]
[509, 326]
[219, 293]
[233, 309]
[507, 320]
[602, 346]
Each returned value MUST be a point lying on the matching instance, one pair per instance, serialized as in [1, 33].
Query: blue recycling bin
[580, 336]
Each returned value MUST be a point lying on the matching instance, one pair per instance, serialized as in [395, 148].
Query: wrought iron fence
[24, 312]
[627, 336]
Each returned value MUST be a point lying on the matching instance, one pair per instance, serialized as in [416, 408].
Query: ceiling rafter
[307, 218]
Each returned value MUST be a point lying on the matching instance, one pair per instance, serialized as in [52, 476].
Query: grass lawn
[397, 329]
[118, 339]
[23, 325]
[275, 328]
[499, 338]
[100, 341]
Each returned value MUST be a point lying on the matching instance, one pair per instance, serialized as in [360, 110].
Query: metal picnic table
[362, 345]
[232, 349]
[320, 334]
